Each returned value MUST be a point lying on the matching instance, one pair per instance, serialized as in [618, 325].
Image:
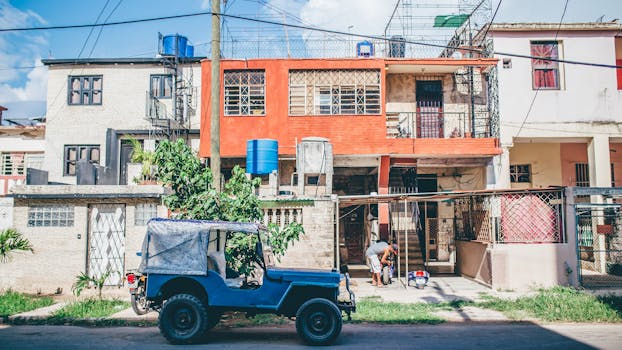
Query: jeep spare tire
[318, 321]
[183, 319]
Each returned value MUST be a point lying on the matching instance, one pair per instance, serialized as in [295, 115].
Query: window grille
[75, 153]
[245, 92]
[582, 174]
[545, 73]
[15, 163]
[144, 212]
[85, 90]
[520, 173]
[334, 92]
[50, 216]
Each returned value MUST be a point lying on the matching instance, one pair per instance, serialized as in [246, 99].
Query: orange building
[393, 124]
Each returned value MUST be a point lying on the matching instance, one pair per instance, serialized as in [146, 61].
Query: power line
[533, 100]
[376, 37]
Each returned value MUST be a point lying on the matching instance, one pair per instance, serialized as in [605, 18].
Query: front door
[429, 95]
[106, 242]
[124, 159]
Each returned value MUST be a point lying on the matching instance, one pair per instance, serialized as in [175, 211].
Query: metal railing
[436, 125]
[516, 217]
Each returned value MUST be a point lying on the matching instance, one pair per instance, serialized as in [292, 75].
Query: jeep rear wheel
[183, 319]
[318, 321]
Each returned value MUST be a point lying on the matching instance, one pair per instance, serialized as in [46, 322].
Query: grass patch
[12, 303]
[90, 308]
[561, 304]
[376, 311]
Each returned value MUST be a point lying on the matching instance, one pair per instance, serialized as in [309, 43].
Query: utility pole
[215, 101]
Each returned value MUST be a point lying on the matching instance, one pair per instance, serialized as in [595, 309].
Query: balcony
[433, 122]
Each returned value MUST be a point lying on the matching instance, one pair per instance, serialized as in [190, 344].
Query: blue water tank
[174, 45]
[262, 156]
[189, 51]
[365, 49]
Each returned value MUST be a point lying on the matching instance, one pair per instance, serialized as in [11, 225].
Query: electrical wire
[330, 31]
[533, 100]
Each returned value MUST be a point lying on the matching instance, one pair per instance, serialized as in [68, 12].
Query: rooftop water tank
[189, 51]
[174, 45]
[262, 156]
[365, 49]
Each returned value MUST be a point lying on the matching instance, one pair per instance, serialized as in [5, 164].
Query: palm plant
[11, 241]
[146, 158]
[84, 281]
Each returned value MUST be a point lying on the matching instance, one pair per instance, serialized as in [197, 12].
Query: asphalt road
[446, 336]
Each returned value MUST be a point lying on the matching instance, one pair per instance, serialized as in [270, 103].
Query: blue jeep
[183, 268]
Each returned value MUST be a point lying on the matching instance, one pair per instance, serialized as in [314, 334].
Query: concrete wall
[316, 247]
[123, 107]
[61, 252]
[545, 162]
[6, 212]
[473, 260]
[522, 266]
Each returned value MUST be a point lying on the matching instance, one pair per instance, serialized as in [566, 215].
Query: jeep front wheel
[318, 321]
[183, 319]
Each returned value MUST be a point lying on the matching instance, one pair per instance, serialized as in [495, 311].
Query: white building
[561, 123]
[94, 104]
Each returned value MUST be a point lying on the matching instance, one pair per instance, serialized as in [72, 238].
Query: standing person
[375, 249]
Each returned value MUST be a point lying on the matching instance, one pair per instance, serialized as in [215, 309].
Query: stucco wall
[61, 252]
[316, 247]
[523, 266]
[545, 162]
[473, 260]
[124, 89]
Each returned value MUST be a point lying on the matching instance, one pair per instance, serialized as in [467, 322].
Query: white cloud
[21, 49]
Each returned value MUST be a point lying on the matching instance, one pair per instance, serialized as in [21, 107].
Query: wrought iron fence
[436, 125]
[514, 217]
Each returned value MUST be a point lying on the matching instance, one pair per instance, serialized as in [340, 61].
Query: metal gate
[107, 242]
[599, 244]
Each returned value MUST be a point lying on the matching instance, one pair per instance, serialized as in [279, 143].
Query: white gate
[107, 242]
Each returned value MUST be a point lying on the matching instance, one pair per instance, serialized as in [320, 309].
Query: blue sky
[23, 90]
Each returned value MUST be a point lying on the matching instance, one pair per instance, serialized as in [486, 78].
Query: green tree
[195, 197]
[12, 241]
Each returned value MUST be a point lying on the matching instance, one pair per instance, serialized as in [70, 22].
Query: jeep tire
[318, 321]
[183, 319]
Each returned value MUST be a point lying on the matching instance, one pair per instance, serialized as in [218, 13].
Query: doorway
[429, 98]
[106, 242]
[125, 157]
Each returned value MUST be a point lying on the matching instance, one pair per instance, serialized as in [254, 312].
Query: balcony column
[599, 164]
[383, 188]
[498, 171]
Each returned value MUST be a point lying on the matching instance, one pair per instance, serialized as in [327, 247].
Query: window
[520, 173]
[545, 72]
[75, 153]
[582, 174]
[50, 216]
[15, 163]
[245, 92]
[144, 212]
[85, 90]
[334, 92]
[161, 85]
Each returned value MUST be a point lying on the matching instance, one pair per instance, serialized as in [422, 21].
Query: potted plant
[146, 161]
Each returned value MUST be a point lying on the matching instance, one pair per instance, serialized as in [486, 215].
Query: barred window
[334, 92]
[520, 173]
[144, 212]
[15, 163]
[85, 90]
[245, 92]
[582, 174]
[50, 216]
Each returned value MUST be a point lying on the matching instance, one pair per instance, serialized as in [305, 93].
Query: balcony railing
[437, 124]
